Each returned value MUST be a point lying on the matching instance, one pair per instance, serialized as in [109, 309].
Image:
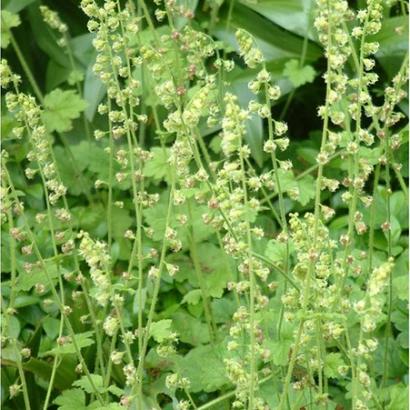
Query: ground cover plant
[204, 204]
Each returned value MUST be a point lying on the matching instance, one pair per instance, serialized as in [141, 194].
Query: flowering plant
[204, 205]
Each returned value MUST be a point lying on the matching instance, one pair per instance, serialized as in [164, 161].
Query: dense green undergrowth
[204, 204]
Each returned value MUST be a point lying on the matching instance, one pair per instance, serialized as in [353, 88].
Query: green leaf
[292, 15]
[26, 280]
[271, 39]
[332, 363]
[65, 373]
[56, 74]
[73, 399]
[14, 6]
[306, 187]
[395, 366]
[51, 326]
[45, 38]
[157, 167]
[399, 395]
[280, 352]
[214, 268]
[192, 297]
[299, 75]
[96, 405]
[82, 340]
[190, 329]
[13, 329]
[276, 251]
[204, 367]
[61, 108]
[122, 221]
[223, 309]
[8, 21]
[83, 49]
[401, 323]
[94, 92]
[84, 383]
[161, 330]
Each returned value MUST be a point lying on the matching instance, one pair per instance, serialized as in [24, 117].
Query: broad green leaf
[84, 383]
[56, 74]
[190, 329]
[61, 108]
[399, 208]
[51, 326]
[332, 362]
[298, 75]
[94, 92]
[193, 297]
[393, 40]
[401, 323]
[73, 399]
[82, 340]
[96, 405]
[271, 39]
[25, 300]
[158, 167]
[270, 393]
[65, 373]
[14, 327]
[121, 222]
[292, 15]
[45, 38]
[396, 368]
[215, 268]
[26, 280]
[8, 21]
[306, 187]
[223, 309]
[69, 167]
[275, 251]
[14, 6]
[399, 397]
[287, 180]
[83, 49]
[280, 352]
[204, 367]
[161, 330]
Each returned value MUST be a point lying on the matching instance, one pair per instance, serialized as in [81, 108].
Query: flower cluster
[97, 258]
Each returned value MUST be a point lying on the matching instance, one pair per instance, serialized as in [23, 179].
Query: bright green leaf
[299, 75]
[82, 340]
[157, 167]
[192, 297]
[61, 108]
[85, 384]
[332, 362]
[8, 21]
[161, 330]
[204, 367]
[73, 399]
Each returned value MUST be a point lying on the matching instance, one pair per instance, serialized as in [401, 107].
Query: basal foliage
[168, 243]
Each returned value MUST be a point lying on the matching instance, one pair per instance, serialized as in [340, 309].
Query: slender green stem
[22, 376]
[26, 68]
[372, 218]
[154, 300]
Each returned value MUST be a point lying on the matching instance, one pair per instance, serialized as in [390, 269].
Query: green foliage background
[284, 31]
